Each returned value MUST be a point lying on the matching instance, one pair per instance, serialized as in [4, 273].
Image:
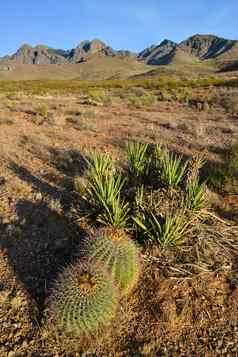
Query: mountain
[206, 49]
[45, 55]
[160, 54]
[207, 46]
[165, 53]
[197, 55]
[37, 55]
[89, 49]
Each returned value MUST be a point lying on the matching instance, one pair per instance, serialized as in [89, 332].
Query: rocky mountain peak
[206, 46]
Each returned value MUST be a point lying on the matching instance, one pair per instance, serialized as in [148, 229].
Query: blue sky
[128, 24]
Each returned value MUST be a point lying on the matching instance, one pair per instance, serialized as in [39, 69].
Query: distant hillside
[199, 54]
[97, 68]
[45, 55]
[165, 53]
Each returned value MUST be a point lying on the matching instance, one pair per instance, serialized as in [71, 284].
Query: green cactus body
[119, 254]
[84, 299]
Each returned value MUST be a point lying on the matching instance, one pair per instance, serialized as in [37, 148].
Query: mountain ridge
[198, 54]
[41, 54]
[199, 46]
[196, 48]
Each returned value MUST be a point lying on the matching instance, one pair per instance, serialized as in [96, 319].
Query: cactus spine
[118, 253]
[84, 299]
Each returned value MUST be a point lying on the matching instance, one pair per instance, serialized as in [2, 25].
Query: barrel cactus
[118, 253]
[84, 299]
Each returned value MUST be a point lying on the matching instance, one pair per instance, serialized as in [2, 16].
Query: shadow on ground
[39, 245]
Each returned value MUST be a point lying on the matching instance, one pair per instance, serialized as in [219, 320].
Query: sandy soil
[39, 159]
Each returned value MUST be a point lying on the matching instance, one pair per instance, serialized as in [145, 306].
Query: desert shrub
[138, 91]
[99, 96]
[181, 95]
[165, 230]
[148, 99]
[81, 120]
[102, 191]
[134, 101]
[104, 194]
[43, 110]
[144, 100]
[99, 164]
[84, 299]
[157, 197]
[138, 160]
[80, 123]
[78, 86]
[118, 253]
[164, 95]
[171, 168]
[230, 104]
[44, 120]
[196, 196]
[11, 105]
[195, 190]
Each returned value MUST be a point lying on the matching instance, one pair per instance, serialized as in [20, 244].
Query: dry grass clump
[99, 97]
[43, 110]
[145, 100]
[230, 103]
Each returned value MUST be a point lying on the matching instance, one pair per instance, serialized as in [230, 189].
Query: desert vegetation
[118, 217]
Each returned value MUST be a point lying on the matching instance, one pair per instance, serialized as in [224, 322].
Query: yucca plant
[118, 253]
[104, 194]
[196, 192]
[138, 159]
[196, 196]
[171, 167]
[99, 164]
[168, 230]
[84, 299]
